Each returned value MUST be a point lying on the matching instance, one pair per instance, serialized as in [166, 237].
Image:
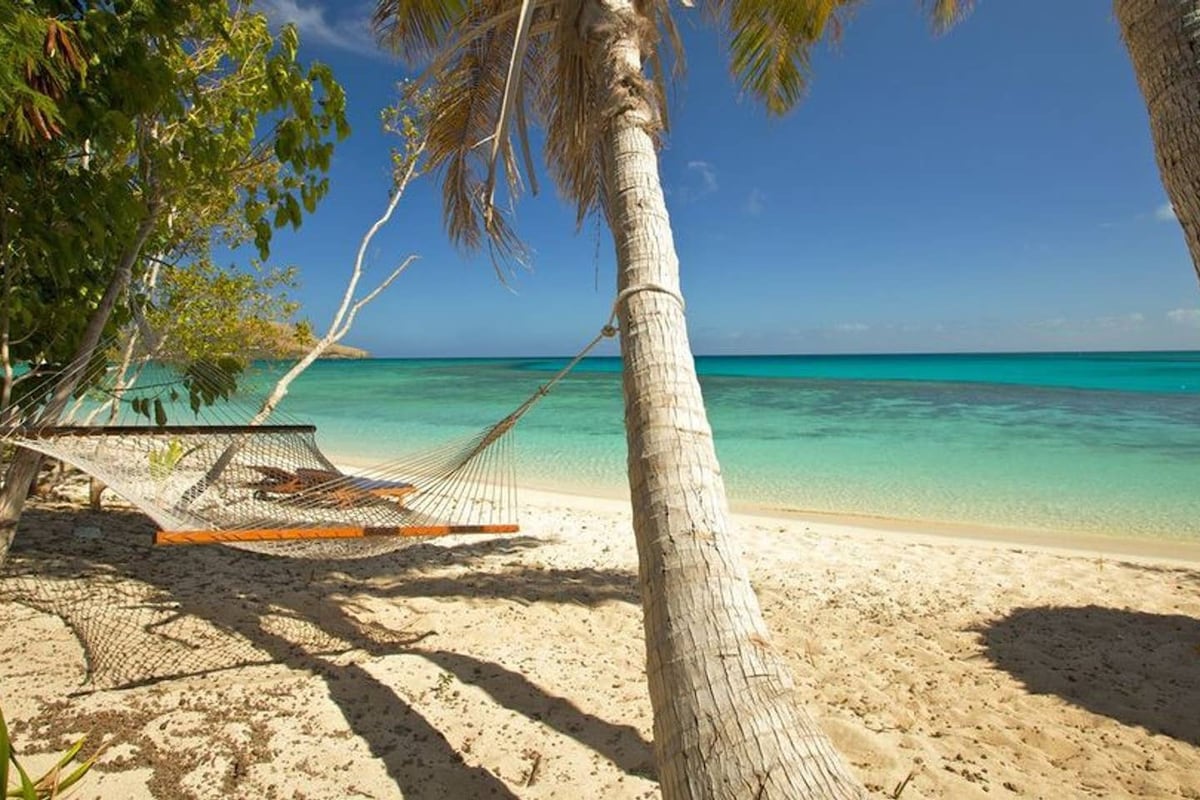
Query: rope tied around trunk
[629, 291]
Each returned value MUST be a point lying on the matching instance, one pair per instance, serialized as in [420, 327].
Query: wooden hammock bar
[291, 534]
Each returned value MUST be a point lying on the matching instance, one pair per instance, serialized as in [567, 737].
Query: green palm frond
[772, 41]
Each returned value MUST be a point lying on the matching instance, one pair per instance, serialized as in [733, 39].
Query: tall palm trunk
[1163, 39]
[726, 720]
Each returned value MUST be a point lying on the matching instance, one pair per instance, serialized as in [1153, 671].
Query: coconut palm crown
[499, 64]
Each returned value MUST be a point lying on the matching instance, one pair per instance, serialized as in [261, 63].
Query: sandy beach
[953, 667]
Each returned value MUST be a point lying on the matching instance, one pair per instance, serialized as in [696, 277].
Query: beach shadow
[1135, 667]
[587, 587]
[1168, 574]
[200, 610]
[416, 755]
[621, 744]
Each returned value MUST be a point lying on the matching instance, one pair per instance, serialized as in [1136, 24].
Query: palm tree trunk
[726, 719]
[1163, 39]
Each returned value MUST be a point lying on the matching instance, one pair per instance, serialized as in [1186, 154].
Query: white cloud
[1165, 213]
[1120, 322]
[1187, 317]
[349, 31]
[852, 327]
[708, 176]
[1056, 323]
[1063, 326]
[756, 203]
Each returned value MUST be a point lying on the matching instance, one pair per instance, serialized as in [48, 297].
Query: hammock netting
[143, 614]
[194, 451]
[182, 446]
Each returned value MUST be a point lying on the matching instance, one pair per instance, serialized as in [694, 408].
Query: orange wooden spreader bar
[290, 534]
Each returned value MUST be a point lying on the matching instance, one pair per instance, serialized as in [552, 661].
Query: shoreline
[1169, 551]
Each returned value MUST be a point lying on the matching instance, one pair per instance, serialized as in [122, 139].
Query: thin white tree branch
[348, 310]
[373, 294]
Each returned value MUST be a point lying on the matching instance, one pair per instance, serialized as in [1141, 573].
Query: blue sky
[991, 189]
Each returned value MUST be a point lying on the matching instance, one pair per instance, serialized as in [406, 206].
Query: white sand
[512, 667]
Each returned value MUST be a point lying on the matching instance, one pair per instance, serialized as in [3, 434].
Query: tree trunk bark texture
[1163, 40]
[726, 719]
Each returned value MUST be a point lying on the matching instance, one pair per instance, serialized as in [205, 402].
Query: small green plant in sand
[164, 460]
[50, 785]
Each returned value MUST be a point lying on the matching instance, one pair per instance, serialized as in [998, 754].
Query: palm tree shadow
[621, 744]
[198, 614]
[1135, 667]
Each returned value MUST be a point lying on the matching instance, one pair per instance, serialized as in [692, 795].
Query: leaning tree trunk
[1163, 39]
[726, 719]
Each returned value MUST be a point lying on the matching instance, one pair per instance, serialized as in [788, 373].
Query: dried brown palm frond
[464, 107]
[417, 29]
[493, 63]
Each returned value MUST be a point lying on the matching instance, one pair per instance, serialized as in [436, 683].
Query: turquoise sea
[1104, 443]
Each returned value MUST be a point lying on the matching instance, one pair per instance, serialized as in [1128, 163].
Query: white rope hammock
[218, 479]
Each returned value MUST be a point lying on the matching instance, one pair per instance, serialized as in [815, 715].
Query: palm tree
[726, 721]
[1163, 39]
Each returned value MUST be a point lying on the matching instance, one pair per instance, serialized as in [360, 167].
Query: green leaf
[289, 39]
[216, 182]
[77, 774]
[27, 790]
[294, 213]
[5, 753]
[69, 755]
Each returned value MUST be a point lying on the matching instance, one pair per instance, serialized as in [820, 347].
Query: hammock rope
[223, 480]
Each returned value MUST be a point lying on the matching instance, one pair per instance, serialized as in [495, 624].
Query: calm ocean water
[1103, 443]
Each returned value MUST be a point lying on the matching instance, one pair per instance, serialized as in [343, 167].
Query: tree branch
[372, 295]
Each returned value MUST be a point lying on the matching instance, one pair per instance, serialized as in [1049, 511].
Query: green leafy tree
[195, 124]
[41, 57]
[726, 723]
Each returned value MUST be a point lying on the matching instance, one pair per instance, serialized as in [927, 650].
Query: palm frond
[417, 29]
[511, 96]
[479, 90]
[944, 14]
[772, 42]
[567, 109]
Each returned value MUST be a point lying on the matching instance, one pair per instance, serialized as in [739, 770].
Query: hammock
[221, 479]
